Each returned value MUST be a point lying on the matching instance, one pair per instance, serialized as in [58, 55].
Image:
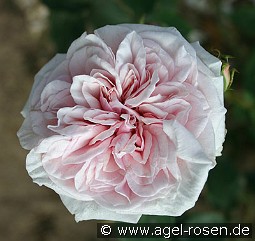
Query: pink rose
[128, 122]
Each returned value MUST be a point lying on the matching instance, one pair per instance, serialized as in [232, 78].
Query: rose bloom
[128, 122]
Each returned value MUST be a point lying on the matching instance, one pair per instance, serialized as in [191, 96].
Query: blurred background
[33, 31]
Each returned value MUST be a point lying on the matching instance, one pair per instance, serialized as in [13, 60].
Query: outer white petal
[218, 123]
[38, 174]
[194, 177]
[213, 63]
[218, 111]
[27, 137]
[40, 78]
[160, 34]
[170, 39]
[118, 31]
[91, 210]
[188, 147]
[76, 44]
[194, 166]
[210, 66]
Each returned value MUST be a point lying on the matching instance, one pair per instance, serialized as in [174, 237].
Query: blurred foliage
[226, 25]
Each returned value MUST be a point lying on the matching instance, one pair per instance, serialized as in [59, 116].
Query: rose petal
[28, 139]
[144, 94]
[38, 174]
[131, 51]
[91, 210]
